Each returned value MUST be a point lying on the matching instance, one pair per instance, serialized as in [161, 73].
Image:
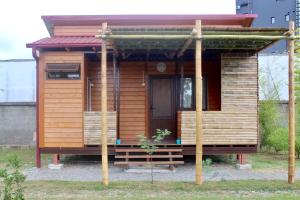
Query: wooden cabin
[150, 82]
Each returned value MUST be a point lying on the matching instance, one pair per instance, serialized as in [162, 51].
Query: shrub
[278, 139]
[207, 162]
[268, 120]
[13, 180]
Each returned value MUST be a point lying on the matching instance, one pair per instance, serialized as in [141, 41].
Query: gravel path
[91, 171]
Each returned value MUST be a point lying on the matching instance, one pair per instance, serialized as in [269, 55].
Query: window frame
[273, 20]
[204, 93]
[287, 17]
[65, 68]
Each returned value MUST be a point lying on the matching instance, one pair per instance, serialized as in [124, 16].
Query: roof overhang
[163, 32]
[218, 42]
[147, 20]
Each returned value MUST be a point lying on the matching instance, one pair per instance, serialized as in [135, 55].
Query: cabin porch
[229, 112]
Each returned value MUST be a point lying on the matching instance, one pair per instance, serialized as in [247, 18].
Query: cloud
[21, 20]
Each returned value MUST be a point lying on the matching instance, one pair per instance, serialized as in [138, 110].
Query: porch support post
[198, 104]
[38, 162]
[291, 168]
[104, 108]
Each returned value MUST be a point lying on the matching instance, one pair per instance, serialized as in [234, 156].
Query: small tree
[150, 145]
[13, 180]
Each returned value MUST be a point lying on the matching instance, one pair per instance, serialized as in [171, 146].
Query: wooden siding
[62, 103]
[132, 101]
[94, 74]
[92, 128]
[133, 95]
[76, 30]
[236, 123]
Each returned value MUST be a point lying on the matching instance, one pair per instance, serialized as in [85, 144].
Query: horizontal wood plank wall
[63, 103]
[92, 127]
[76, 30]
[94, 74]
[132, 101]
[236, 123]
[133, 108]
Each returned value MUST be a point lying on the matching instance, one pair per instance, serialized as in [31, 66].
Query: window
[187, 93]
[273, 20]
[287, 17]
[188, 96]
[63, 71]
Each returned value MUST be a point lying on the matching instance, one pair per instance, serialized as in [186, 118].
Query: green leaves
[150, 145]
[13, 179]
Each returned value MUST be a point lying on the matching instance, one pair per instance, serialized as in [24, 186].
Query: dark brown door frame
[174, 94]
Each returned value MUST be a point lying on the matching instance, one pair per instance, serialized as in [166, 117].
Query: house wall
[134, 113]
[61, 103]
[94, 74]
[237, 122]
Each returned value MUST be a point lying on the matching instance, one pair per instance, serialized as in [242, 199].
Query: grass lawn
[163, 190]
[27, 156]
[269, 161]
[246, 189]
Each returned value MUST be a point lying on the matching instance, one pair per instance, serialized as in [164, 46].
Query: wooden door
[163, 105]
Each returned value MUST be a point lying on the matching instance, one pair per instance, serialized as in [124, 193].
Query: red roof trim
[56, 42]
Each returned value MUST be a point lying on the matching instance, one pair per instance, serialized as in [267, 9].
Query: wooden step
[119, 150]
[161, 156]
[148, 156]
[142, 163]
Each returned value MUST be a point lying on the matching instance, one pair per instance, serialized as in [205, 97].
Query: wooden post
[198, 105]
[38, 162]
[104, 108]
[55, 159]
[291, 170]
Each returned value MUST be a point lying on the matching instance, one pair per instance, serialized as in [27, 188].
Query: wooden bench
[139, 157]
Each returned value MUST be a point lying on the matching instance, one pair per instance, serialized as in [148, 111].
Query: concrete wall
[17, 80]
[17, 124]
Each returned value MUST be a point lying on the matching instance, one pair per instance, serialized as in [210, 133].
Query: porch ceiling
[177, 44]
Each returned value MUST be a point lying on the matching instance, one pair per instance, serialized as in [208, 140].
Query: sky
[20, 20]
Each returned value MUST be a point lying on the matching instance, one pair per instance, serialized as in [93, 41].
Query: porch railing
[219, 127]
[92, 128]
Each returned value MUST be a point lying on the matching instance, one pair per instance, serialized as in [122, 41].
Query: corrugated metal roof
[72, 41]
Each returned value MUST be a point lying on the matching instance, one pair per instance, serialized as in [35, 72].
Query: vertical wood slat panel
[92, 128]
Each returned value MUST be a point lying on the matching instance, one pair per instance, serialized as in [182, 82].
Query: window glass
[63, 71]
[287, 17]
[273, 20]
[187, 95]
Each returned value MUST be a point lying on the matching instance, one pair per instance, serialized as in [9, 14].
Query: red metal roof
[66, 42]
[144, 20]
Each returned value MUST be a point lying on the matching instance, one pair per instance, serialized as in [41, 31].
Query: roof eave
[244, 20]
